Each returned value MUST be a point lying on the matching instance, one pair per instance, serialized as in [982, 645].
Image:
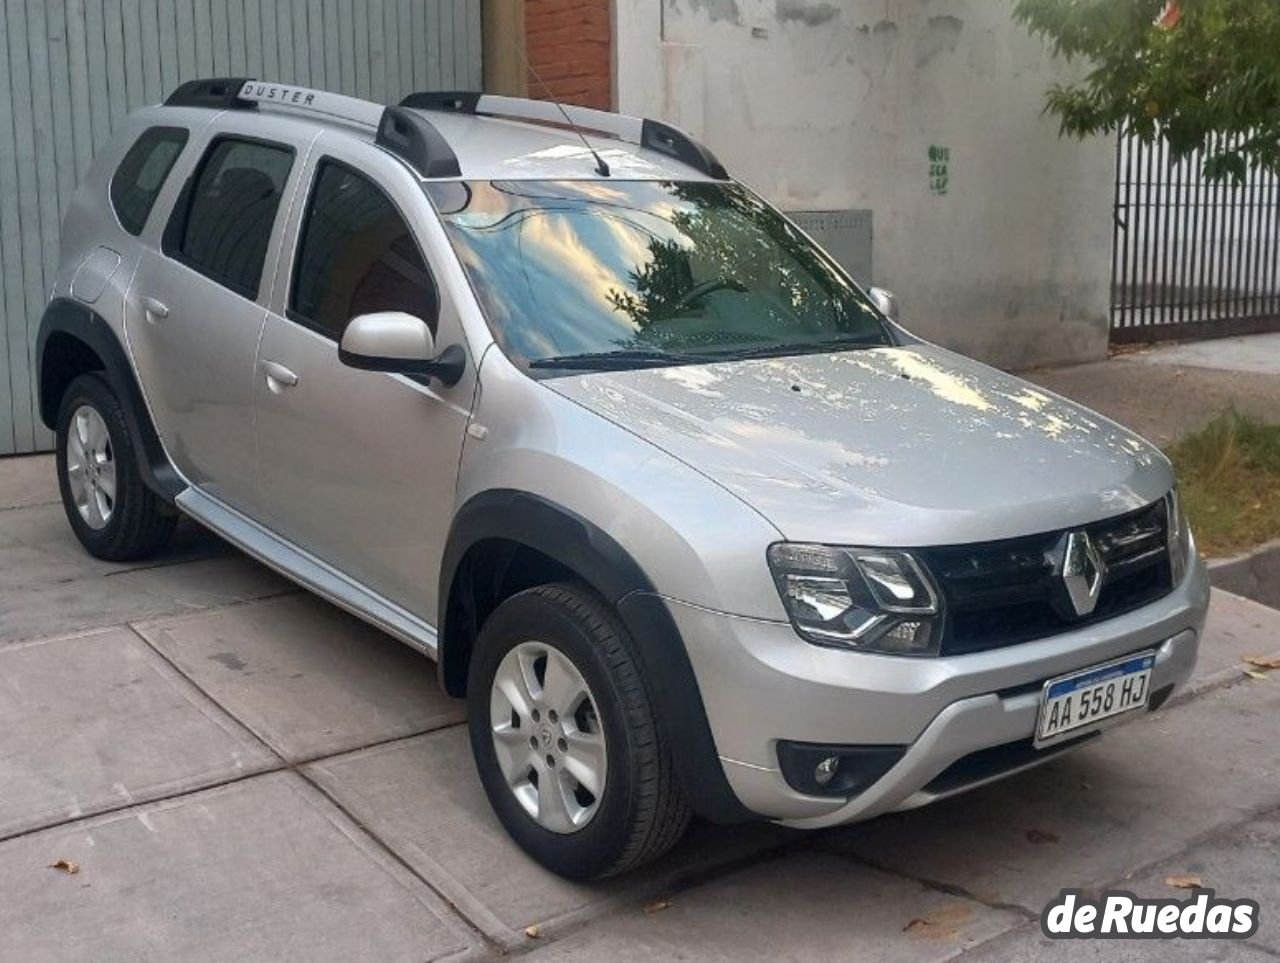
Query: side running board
[309, 571]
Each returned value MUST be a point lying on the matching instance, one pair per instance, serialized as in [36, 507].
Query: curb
[1221, 679]
[1254, 575]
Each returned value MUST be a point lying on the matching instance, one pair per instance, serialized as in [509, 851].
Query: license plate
[1072, 702]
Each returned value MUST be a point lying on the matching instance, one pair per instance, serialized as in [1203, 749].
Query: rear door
[359, 467]
[196, 306]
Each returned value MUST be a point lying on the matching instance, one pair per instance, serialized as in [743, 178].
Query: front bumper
[762, 683]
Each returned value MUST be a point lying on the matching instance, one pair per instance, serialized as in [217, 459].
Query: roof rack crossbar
[650, 134]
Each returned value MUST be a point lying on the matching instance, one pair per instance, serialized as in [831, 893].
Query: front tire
[564, 736]
[113, 514]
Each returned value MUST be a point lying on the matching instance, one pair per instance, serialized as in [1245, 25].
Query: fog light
[817, 769]
[825, 771]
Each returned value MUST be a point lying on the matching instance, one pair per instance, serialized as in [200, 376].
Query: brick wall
[569, 43]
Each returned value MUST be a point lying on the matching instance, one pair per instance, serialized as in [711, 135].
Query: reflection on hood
[888, 446]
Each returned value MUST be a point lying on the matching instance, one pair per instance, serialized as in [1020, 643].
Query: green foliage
[1211, 68]
[1229, 473]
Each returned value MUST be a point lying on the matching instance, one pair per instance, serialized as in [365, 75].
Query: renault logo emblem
[1082, 572]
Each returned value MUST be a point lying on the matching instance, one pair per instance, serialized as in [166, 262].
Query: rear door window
[356, 255]
[137, 181]
[223, 223]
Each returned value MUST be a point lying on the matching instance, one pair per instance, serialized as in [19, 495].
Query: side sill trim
[308, 571]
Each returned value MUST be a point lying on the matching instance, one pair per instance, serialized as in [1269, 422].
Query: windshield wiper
[647, 358]
[610, 360]
[782, 349]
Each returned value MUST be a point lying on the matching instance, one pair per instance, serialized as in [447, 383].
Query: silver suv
[688, 518]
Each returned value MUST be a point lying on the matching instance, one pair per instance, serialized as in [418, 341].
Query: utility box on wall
[846, 235]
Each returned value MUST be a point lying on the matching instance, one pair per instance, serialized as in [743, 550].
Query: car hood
[904, 446]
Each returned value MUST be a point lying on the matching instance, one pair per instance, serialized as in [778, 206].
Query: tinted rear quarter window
[137, 181]
[224, 226]
[356, 255]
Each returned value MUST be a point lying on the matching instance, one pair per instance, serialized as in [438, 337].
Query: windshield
[575, 275]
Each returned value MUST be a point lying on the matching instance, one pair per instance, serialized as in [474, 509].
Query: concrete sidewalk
[239, 771]
[1167, 391]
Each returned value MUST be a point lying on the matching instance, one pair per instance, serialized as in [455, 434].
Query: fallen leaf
[1255, 674]
[532, 931]
[941, 924]
[1184, 882]
[1040, 836]
[67, 866]
[1262, 661]
[657, 907]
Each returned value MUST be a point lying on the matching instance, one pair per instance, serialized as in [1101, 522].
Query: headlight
[1181, 544]
[869, 599]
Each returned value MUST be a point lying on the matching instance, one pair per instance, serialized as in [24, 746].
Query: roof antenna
[601, 167]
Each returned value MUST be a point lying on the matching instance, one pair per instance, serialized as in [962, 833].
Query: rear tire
[639, 812]
[114, 515]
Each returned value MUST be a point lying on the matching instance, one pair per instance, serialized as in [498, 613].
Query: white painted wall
[835, 104]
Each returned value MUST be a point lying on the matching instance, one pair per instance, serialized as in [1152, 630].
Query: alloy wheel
[91, 467]
[547, 737]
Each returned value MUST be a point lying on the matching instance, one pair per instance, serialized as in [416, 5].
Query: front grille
[1006, 592]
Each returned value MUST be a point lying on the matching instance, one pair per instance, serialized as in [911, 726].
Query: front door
[359, 468]
[193, 314]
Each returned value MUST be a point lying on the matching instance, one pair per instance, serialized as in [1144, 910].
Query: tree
[1204, 74]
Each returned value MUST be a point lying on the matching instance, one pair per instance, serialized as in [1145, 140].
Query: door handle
[278, 376]
[155, 309]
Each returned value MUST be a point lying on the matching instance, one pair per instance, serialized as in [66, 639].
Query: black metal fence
[1191, 259]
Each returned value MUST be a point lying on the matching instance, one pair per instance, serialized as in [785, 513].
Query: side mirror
[398, 343]
[886, 302]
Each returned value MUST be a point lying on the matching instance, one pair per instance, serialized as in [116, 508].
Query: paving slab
[60, 608]
[47, 609]
[1256, 353]
[44, 529]
[309, 679]
[1242, 863]
[422, 798]
[99, 721]
[263, 869]
[1140, 794]
[1237, 627]
[1028, 945]
[208, 582]
[1162, 402]
[801, 906]
[27, 480]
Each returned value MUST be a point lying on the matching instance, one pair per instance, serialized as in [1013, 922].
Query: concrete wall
[995, 234]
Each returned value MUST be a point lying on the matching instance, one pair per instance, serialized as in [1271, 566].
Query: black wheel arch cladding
[66, 323]
[595, 557]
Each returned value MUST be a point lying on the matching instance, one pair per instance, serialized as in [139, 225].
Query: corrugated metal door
[71, 69]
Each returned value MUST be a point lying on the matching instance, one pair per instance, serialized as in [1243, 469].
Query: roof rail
[414, 139]
[650, 134]
[408, 135]
[290, 97]
[222, 93]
